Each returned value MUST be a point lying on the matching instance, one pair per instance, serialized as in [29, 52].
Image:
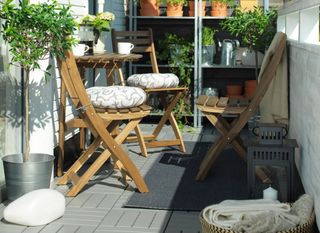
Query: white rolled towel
[229, 212]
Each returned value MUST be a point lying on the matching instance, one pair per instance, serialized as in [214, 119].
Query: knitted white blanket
[227, 213]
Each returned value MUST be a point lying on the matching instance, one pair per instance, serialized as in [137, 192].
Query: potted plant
[219, 8]
[201, 10]
[208, 45]
[174, 7]
[255, 28]
[99, 23]
[33, 31]
[149, 7]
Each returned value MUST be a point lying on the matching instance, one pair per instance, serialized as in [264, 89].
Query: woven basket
[305, 228]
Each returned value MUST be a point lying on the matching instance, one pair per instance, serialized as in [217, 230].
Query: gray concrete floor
[98, 208]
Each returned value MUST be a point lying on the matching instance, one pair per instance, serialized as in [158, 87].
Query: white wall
[304, 79]
[304, 115]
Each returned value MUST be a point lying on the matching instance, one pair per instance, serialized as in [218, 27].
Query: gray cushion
[153, 80]
[116, 96]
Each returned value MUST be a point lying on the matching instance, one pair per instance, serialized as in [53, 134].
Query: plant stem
[26, 98]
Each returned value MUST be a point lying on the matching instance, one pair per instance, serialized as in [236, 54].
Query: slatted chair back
[143, 43]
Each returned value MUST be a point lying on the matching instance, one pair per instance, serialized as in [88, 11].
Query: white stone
[36, 208]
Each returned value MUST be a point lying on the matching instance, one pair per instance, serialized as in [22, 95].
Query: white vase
[100, 46]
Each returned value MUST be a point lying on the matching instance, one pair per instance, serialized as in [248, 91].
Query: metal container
[23, 177]
[228, 54]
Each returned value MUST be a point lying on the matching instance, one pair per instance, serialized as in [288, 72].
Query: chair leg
[210, 157]
[83, 180]
[177, 132]
[168, 115]
[126, 164]
[62, 114]
[223, 127]
[80, 161]
[142, 144]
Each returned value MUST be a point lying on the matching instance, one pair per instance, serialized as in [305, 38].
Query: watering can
[228, 53]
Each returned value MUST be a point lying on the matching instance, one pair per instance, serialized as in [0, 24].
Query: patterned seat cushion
[116, 96]
[153, 80]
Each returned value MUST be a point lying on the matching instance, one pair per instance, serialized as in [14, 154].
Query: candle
[270, 193]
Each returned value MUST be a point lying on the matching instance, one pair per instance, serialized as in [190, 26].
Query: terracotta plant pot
[250, 83]
[234, 90]
[249, 88]
[174, 10]
[219, 9]
[149, 8]
[191, 8]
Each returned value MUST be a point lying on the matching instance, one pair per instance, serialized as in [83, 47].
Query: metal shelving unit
[192, 23]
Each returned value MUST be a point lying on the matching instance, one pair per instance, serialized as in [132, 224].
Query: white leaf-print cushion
[153, 80]
[116, 96]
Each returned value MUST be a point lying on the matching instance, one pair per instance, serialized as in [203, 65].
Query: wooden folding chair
[215, 108]
[100, 121]
[144, 44]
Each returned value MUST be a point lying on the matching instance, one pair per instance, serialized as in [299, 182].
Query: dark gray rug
[172, 184]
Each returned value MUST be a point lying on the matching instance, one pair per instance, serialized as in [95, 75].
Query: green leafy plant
[100, 22]
[35, 31]
[208, 34]
[177, 2]
[229, 2]
[256, 28]
[178, 52]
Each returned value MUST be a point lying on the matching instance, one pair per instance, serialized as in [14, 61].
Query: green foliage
[177, 2]
[208, 34]
[255, 28]
[229, 2]
[36, 30]
[100, 22]
[179, 53]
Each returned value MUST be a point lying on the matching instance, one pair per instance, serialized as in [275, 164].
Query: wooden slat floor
[99, 207]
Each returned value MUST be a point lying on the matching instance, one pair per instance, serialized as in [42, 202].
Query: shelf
[164, 17]
[217, 66]
[159, 65]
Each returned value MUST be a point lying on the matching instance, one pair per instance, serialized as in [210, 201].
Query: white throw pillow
[116, 96]
[153, 80]
[36, 208]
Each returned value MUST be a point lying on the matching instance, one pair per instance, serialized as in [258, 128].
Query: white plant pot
[100, 46]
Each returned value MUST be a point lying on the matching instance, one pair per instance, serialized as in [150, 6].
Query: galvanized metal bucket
[23, 177]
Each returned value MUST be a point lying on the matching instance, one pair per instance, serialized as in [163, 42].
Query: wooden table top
[108, 57]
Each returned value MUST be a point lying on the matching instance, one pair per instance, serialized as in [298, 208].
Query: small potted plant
[219, 8]
[33, 31]
[255, 28]
[99, 23]
[175, 7]
[208, 45]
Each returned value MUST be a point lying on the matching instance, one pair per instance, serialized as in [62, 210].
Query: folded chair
[163, 83]
[101, 110]
[215, 108]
